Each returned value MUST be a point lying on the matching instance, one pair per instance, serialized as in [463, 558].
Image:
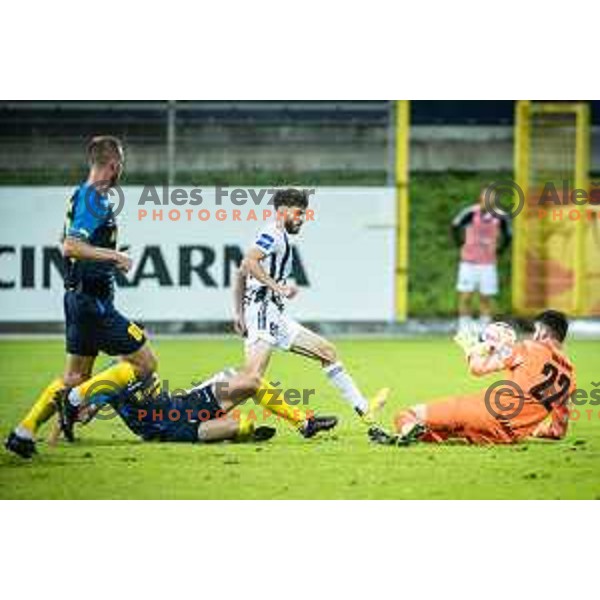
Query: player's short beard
[292, 228]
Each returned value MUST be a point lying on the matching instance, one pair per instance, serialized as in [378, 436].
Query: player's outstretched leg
[464, 417]
[141, 363]
[21, 440]
[227, 428]
[307, 343]
[250, 380]
[247, 382]
[305, 422]
[70, 401]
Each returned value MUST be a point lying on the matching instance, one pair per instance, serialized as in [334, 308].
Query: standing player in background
[477, 271]
[260, 294]
[92, 322]
[533, 401]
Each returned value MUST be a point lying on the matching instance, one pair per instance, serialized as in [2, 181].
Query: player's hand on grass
[122, 261]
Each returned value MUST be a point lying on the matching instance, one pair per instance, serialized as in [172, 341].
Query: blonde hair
[102, 148]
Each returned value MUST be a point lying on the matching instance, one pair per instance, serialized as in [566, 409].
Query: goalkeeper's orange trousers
[468, 418]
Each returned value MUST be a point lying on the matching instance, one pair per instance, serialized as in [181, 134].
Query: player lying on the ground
[260, 293]
[532, 401]
[200, 414]
[219, 394]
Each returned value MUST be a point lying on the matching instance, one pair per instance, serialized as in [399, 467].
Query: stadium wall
[305, 148]
[219, 148]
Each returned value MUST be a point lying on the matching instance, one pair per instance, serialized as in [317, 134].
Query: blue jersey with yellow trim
[157, 415]
[91, 219]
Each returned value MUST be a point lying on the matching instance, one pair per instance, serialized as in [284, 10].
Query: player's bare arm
[251, 266]
[239, 289]
[485, 363]
[76, 248]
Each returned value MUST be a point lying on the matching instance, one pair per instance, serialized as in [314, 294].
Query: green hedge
[433, 260]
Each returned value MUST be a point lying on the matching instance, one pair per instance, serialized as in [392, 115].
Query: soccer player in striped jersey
[261, 291]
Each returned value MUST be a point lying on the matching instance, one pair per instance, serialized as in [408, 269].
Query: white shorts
[266, 322]
[477, 278]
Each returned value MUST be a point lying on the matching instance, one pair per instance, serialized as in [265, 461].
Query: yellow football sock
[110, 380]
[43, 408]
[272, 399]
[245, 428]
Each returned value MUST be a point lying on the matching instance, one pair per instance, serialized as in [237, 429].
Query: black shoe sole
[263, 433]
[317, 425]
[26, 453]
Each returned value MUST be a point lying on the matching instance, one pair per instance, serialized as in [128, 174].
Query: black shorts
[94, 325]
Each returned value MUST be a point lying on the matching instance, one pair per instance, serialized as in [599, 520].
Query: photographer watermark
[493, 194]
[505, 399]
[104, 198]
[105, 400]
[556, 201]
[173, 204]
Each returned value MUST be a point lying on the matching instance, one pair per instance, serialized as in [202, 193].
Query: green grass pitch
[109, 462]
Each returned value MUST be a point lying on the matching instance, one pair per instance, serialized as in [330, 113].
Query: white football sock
[23, 432]
[74, 398]
[345, 384]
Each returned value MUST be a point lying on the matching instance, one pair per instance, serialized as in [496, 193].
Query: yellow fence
[556, 249]
[402, 205]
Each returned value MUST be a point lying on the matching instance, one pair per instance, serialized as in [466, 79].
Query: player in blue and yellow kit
[200, 414]
[92, 322]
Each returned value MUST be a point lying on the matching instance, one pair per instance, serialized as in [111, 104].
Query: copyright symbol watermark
[504, 399]
[97, 199]
[108, 389]
[492, 196]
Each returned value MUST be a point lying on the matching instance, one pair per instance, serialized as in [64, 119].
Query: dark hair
[290, 197]
[556, 322]
[103, 148]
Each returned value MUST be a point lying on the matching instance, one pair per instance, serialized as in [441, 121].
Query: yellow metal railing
[402, 206]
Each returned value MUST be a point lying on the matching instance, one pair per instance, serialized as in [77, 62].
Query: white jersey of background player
[260, 295]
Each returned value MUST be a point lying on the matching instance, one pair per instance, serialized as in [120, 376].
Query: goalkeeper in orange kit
[532, 401]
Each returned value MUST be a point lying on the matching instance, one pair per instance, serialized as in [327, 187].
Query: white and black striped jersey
[273, 241]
